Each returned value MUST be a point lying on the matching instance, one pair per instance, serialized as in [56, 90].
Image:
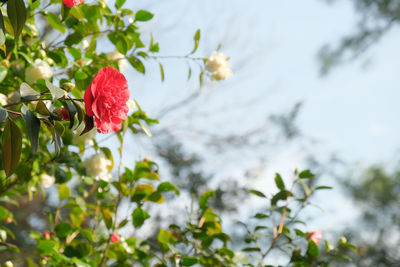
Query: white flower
[131, 20]
[131, 105]
[218, 65]
[39, 70]
[86, 138]
[120, 58]
[85, 44]
[97, 166]
[3, 99]
[47, 180]
[8, 264]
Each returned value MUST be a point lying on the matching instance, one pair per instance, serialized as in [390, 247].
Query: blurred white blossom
[8, 264]
[218, 65]
[47, 180]
[131, 105]
[97, 166]
[120, 58]
[39, 70]
[3, 99]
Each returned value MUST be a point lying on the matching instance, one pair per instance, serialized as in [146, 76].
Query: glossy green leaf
[306, 174]
[119, 3]
[71, 110]
[257, 193]
[137, 64]
[12, 147]
[3, 114]
[33, 127]
[16, 11]
[189, 261]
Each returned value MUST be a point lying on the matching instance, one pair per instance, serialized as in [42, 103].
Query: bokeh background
[315, 86]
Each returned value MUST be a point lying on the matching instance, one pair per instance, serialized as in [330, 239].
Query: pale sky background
[353, 112]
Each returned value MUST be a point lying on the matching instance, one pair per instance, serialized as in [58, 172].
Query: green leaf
[257, 193]
[306, 174]
[12, 147]
[63, 230]
[138, 217]
[143, 15]
[312, 250]
[203, 201]
[162, 72]
[71, 110]
[279, 182]
[323, 187]
[196, 39]
[33, 127]
[119, 3]
[189, 261]
[89, 124]
[64, 11]
[47, 247]
[137, 64]
[3, 114]
[282, 195]
[2, 35]
[55, 91]
[55, 22]
[80, 75]
[16, 11]
[167, 186]
[108, 219]
[64, 192]
[27, 93]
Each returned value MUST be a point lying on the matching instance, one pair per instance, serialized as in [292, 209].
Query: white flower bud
[85, 44]
[97, 166]
[3, 99]
[47, 180]
[131, 20]
[131, 105]
[39, 70]
[8, 264]
[218, 65]
[120, 58]
[3, 235]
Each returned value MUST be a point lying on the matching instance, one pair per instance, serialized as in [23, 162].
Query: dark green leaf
[12, 146]
[33, 127]
[189, 261]
[64, 11]
[3, 114]
[143, 15]
[282, 195]
[138, 217]
[63, 230]
[16, 11]
[89, 124]
[257, 193]
[312, 250]
[323, 187]
[306, 174]
[71, 110]
[279, 182]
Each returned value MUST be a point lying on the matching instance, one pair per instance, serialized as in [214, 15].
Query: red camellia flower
[106, 98]
[71, 3]
[114, 238]
[315, 236]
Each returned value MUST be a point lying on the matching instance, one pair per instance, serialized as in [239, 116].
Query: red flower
[315, 236]
[114, 238]
[71, 3]
[106, 98]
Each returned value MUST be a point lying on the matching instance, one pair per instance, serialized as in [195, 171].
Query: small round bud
[80, 62]
[46, 235]
[42, 53]
[9, 220]
[68, 86]
[342, 240]
[114, 238]
[8, 264]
